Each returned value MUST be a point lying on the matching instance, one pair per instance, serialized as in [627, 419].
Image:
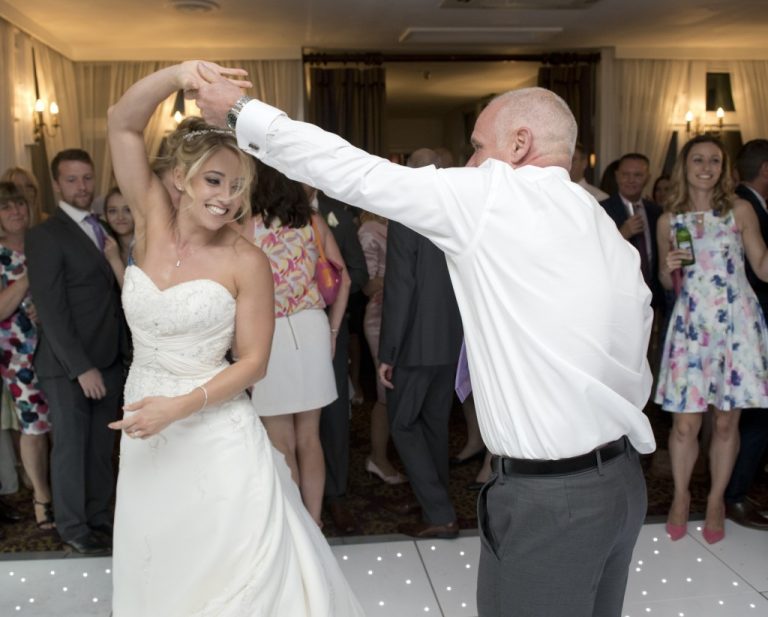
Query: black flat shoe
[455, 461]
[9, 514]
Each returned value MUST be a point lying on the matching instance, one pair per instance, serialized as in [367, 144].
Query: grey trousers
[560, 545]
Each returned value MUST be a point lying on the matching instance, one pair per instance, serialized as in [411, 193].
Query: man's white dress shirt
[556, 329]
[593, 190]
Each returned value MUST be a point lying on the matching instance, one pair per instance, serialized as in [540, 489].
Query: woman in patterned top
[18, 340]
[716, 349]
[300, 379]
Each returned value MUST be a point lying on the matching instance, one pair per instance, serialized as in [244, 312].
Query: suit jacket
[616, 209]
[77, 299]
[421, 324]
[760, 287]
[345, 234]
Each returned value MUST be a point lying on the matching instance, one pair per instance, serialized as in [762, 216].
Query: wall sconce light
[38, 117]
[694, 126]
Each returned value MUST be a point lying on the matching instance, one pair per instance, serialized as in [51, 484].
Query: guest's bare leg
[683, 452]
[282, 435]
[724, 449]
[309, 453]
[380, 439]
[474, 441]
[34, 458]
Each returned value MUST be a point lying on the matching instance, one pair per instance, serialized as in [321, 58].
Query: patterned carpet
[368, 495]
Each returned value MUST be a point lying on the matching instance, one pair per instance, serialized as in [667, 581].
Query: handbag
[327, 273]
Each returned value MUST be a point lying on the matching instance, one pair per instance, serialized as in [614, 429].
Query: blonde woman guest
[28, 186]
[716, 350]
[18, 341]
[373, 239]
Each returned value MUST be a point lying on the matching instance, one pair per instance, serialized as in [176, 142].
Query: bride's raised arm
[126, 122]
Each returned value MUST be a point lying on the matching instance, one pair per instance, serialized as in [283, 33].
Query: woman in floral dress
[18, 340]
[716, 349]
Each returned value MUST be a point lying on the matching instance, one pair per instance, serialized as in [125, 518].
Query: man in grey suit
[80, 357]
[418, 350]
[334, 420]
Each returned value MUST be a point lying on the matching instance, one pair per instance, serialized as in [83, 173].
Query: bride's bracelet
[205, 394]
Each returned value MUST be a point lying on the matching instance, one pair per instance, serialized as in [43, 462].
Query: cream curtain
[17, 97]
[277, 82]
[99, 86]
[649, 93]
[750, 96]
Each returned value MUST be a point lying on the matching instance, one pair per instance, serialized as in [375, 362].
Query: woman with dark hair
[661, 188]
[716, 350]
[299, 380]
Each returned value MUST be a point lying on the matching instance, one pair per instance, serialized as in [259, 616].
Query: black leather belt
[583, 462]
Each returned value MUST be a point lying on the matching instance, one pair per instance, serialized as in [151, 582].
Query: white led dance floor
[402, 578]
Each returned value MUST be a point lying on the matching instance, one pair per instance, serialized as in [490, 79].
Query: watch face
[231, 119]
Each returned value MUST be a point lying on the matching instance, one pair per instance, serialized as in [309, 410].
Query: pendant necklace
[179, 257]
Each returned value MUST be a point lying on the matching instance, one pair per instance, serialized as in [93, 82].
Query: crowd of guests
[701, 240]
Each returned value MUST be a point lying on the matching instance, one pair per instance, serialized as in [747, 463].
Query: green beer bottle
[685, 242]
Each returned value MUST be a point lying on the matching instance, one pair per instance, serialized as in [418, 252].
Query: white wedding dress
[208, 521]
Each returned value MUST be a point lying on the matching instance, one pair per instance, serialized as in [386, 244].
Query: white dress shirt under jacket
[79, 216]
[556, 330]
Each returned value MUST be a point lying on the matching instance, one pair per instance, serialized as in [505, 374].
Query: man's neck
[759, 188]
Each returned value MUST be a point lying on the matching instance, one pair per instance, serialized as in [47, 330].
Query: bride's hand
[190, 79]
[152, 415]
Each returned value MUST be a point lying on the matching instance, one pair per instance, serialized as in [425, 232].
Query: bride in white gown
[208, 521]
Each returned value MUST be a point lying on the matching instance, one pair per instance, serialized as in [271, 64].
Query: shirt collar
[76, 214]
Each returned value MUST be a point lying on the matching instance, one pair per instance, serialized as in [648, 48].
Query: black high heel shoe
[455, 461]
[47, 523]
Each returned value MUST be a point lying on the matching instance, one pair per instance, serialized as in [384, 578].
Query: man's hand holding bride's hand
[217, 91]
[152, 415]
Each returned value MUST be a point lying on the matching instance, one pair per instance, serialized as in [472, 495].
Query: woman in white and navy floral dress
[716, 348]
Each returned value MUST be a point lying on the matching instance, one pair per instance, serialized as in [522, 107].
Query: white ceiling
[91, 30]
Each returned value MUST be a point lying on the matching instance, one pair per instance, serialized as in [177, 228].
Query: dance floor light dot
[468, 566]
[31, 600]
[23, 580]
[65, 589]
[463, 605]
[108, 571]
[681, 615]
[11, 573]
[95, 600]
[426, 609]
[664, 581]
[407, 581]
[378, 559]
[735, 583]
[645, 593]
[699, 559]
[461, 553]
[381, 602]
[688, 579]
[640, 562]
[638, 569]
[53, 572]
[655, 540]
[656, 552]
[720, 602]
[370, 572]
[344, 557]
[432, 548]
[752, 606]
[399, 554]
[448, 588]
[648, 609]
[85, 574]
[18, 608]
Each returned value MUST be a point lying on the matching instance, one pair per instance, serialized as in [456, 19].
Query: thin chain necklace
[179, 257]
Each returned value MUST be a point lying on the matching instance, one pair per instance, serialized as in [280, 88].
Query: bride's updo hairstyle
[192, 144]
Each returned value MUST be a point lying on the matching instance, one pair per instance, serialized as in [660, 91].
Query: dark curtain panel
[350, 102]
[576, 84]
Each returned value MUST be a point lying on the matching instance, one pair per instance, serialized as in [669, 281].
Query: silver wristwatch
[233, 113]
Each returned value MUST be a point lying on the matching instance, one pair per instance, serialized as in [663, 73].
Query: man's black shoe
[89, 544]
[105, 530]
[747, 514]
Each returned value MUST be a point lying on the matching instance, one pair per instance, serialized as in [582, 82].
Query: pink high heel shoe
[676, 531]
[373, 469]
[713, 535]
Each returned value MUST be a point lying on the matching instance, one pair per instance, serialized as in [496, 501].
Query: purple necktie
[98, 230]
[463, 383]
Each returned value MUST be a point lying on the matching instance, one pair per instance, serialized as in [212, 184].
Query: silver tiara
[193, 134]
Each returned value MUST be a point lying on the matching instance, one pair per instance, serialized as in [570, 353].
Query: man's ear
[520, 144]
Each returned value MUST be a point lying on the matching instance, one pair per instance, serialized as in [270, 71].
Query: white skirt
[300, 371]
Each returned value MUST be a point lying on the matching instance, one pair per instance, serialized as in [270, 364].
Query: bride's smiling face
[214, 195]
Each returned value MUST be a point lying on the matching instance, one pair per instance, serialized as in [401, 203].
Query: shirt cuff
[253, 125]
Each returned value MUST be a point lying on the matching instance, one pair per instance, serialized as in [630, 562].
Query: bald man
[418, 350]
[556, 318]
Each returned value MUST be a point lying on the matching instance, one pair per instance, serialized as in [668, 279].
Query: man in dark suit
[418, 350]
[752, 165]
[636, 217]
[80, 357]
[334, 419]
